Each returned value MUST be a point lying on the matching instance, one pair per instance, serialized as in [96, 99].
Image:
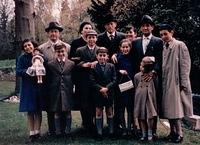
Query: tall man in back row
[110, 39]
[149, 45]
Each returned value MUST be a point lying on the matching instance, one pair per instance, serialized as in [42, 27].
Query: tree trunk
[24, 27]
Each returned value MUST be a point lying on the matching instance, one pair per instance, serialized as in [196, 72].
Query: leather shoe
[178, 139]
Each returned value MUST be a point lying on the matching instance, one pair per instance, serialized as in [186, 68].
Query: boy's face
[125, 48]
[130, 34]
[102, 58]
[165, 35]
[28, 47]
[91, 40]
[61, 53]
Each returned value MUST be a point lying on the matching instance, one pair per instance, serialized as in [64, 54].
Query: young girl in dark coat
[29, 91]
[125, 72]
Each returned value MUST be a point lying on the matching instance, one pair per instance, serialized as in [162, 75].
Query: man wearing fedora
[53, 30]
[148, 45]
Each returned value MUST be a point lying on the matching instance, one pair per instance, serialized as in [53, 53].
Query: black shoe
[99, 137]
[155, 137]
[30, 139]
[143, 139]
[37, 136]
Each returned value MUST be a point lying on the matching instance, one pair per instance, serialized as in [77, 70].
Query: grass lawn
[6, 87]
[13, 130]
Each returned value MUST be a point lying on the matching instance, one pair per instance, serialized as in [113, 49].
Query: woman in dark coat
[29, 91]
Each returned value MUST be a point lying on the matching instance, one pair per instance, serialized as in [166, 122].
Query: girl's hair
[35, 44]
[125, 40]
[82, 25]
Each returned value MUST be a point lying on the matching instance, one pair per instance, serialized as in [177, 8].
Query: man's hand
[123, 72]
[87, 64]
[104, 91]
[114, 58]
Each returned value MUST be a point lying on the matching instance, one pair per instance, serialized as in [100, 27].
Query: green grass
[8, 63]
[6, 87]
[13, 130]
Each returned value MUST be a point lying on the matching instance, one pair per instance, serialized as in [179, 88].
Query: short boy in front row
[60, 88]
[103, 79]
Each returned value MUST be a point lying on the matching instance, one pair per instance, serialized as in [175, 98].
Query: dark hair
[35, 44]
[82, 25]
[129, 27]
[102, 50]
[59, 46]
[126, 40]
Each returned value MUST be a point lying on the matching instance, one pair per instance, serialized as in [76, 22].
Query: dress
[37, 68]
[30, 95]
[145, 98]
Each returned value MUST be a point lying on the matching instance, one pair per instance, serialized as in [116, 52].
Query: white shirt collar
[147, 38]
[62, 59]
[108, 34]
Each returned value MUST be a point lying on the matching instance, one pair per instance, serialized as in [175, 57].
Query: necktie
[111, 37]
[167, 45]
[61, 64]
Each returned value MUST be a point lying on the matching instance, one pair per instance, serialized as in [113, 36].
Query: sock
[144, 134]
[68, 125]
[57, 125]
[110, 125]
[37, 132]
[32, 133]
[150, 134]
[129, 122]
[99, 125]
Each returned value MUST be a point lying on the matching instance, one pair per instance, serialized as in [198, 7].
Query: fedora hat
[146, 19]
[109, 18]
[54, 25]
[165, 26]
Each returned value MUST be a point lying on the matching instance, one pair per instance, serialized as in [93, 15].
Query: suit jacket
[177, 94]
[48, 50]
[60, 86]
[106, 78]
[112, 46]
[154, 48]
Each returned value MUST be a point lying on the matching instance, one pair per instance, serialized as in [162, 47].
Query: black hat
[54, 25]
[109, 18]
[146, 19]
[91, 32]
[165, 26]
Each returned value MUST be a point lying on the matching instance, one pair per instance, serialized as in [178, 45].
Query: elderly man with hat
[148, 45]
[177, 94]
[87, 55]
[53, 30]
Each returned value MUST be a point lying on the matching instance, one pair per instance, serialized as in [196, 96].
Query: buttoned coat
[177, 97]
[145, 105]
[60, 85]
[112, 45]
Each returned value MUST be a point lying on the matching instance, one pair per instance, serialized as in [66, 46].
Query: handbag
[125, 86]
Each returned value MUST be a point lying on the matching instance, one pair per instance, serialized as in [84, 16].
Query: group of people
[147, 76]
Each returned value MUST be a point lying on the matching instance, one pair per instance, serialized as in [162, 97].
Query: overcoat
[83, 86]
[47, 49]
[60, 85]
[177, 96]
[145, 105]
[30, 96]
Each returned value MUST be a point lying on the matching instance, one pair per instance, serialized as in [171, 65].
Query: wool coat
[177, 95]
[30, 92]
[60, 85]
[145, 105]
